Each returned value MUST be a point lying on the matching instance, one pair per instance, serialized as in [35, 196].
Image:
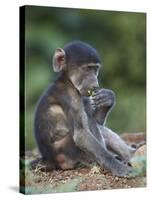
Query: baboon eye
[89, 68]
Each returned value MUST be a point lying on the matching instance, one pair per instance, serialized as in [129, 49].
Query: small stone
[124, 181]
[63, 181]
[95, 170]
[116, 179]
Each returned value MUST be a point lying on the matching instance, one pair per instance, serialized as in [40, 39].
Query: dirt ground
[37, 179]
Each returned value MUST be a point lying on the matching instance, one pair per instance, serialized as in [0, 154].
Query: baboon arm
[104, 100]
[88, 143]
[101, 114]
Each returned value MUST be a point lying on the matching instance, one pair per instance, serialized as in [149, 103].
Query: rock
[138, 162]
[134, 137]
[141, 151]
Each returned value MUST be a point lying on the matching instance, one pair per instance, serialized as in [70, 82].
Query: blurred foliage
[120, 39]
[28, 182]
[70, 186]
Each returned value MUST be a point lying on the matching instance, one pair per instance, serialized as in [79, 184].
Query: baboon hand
[104, 98]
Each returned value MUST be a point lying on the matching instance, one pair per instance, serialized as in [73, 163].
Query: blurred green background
[120, 37]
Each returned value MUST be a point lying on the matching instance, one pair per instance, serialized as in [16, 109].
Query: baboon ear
[59, 60]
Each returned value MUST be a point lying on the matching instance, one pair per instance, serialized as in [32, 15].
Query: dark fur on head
[79, 53]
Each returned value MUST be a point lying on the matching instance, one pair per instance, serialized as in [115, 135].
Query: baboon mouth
[91, 91]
